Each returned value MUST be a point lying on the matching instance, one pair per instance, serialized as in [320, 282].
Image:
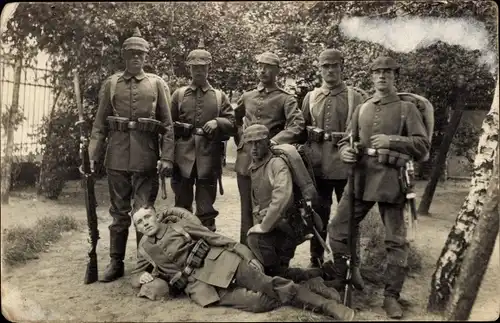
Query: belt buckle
[371, 151]
[132, 124]
[188, 270]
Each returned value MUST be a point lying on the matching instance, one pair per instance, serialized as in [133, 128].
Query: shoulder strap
[218, 99]
[404, 114]
[312, 100]
[180, 97]
[112, 89]
[350, 104]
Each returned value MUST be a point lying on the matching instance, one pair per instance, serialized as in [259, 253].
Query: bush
[21, 243]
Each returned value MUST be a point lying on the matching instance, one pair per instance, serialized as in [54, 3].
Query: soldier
[327, 111]
[273, 238]
[134, 115]
[202, 117]
[388, 132]
[213, 269]
[272, 107]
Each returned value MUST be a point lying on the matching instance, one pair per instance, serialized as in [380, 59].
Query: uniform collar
[333, 91]
[204, 88]
[261, 87]
[127, 76]
[162, 229]
[259, 164]
[392, 97]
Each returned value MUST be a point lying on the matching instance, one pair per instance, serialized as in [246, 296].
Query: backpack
[350, 100]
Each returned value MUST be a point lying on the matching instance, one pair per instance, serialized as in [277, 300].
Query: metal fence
[36, 98]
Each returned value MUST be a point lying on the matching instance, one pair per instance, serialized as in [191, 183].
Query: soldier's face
[267, 73]
[134, 60]
[199, 73]
[383, 79]
[146, 223]
[259, 149]
[331, 73]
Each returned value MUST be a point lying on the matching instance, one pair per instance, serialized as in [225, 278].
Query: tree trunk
[9, 146]
[449, 263]
[478, 255]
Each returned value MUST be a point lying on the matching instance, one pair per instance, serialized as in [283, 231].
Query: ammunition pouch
[179, 281]
[183, 130]
[389, 157]
[142, 124]
[315, 134]
[198, 253]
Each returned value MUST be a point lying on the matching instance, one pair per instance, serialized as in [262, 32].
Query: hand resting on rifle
[349, 155]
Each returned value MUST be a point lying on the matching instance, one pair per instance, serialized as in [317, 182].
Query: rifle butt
[91, 273]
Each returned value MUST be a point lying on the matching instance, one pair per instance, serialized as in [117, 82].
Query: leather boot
[394, 277]
[317, 285]
[117, 246]
[310, 300]
[336, 270]
[301, 274]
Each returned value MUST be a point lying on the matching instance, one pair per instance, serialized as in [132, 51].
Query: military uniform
[225, 276]
[132, 154]
[197, 157]
[278, 111]
[329, 112]
[377, 178]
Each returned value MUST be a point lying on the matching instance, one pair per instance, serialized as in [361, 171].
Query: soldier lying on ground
[215, 270]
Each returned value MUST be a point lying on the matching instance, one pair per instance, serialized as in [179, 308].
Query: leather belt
[370, 151]
[331, 136]
[132, 125]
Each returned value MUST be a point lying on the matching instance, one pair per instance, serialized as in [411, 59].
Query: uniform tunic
[273, 108]
[197, 108]
[380, 182]
[329, 112]
[140, 96]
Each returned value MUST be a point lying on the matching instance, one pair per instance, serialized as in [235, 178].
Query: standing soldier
[387, 132]
[327, 111]
[202, 117]
[134, 115]
[272, 107]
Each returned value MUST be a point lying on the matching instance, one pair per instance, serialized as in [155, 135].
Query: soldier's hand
[273, 143]
[92, 167]
[256, 229]
[146, 278]
[164, 167]
[255, 263]
[349, 155]
[210, 126]
[380, 141]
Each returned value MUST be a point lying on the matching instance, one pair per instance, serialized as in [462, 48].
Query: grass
[20, 244]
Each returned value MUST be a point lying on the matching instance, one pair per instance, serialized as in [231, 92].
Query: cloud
[406, 34]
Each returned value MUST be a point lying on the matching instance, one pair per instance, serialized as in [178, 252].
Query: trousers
[204, 195]
[245, 190]
[323, 205]
[392, 216]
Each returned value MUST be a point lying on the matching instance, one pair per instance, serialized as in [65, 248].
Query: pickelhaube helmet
[136, 42]
[199, 56]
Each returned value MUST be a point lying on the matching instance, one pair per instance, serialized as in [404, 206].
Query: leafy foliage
[88, 36]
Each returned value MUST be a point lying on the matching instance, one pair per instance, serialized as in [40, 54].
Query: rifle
[307, 214]
[408, 186]
[347, 301]
[88, 181]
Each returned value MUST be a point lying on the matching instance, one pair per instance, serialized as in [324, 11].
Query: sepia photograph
[253, 161]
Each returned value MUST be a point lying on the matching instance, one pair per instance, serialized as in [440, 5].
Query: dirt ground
[51, 287]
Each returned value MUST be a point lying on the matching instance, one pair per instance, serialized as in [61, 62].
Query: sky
[405, 34]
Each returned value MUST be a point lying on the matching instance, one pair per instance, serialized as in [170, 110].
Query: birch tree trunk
[477, 256]
[10, 128]
[449, 263]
